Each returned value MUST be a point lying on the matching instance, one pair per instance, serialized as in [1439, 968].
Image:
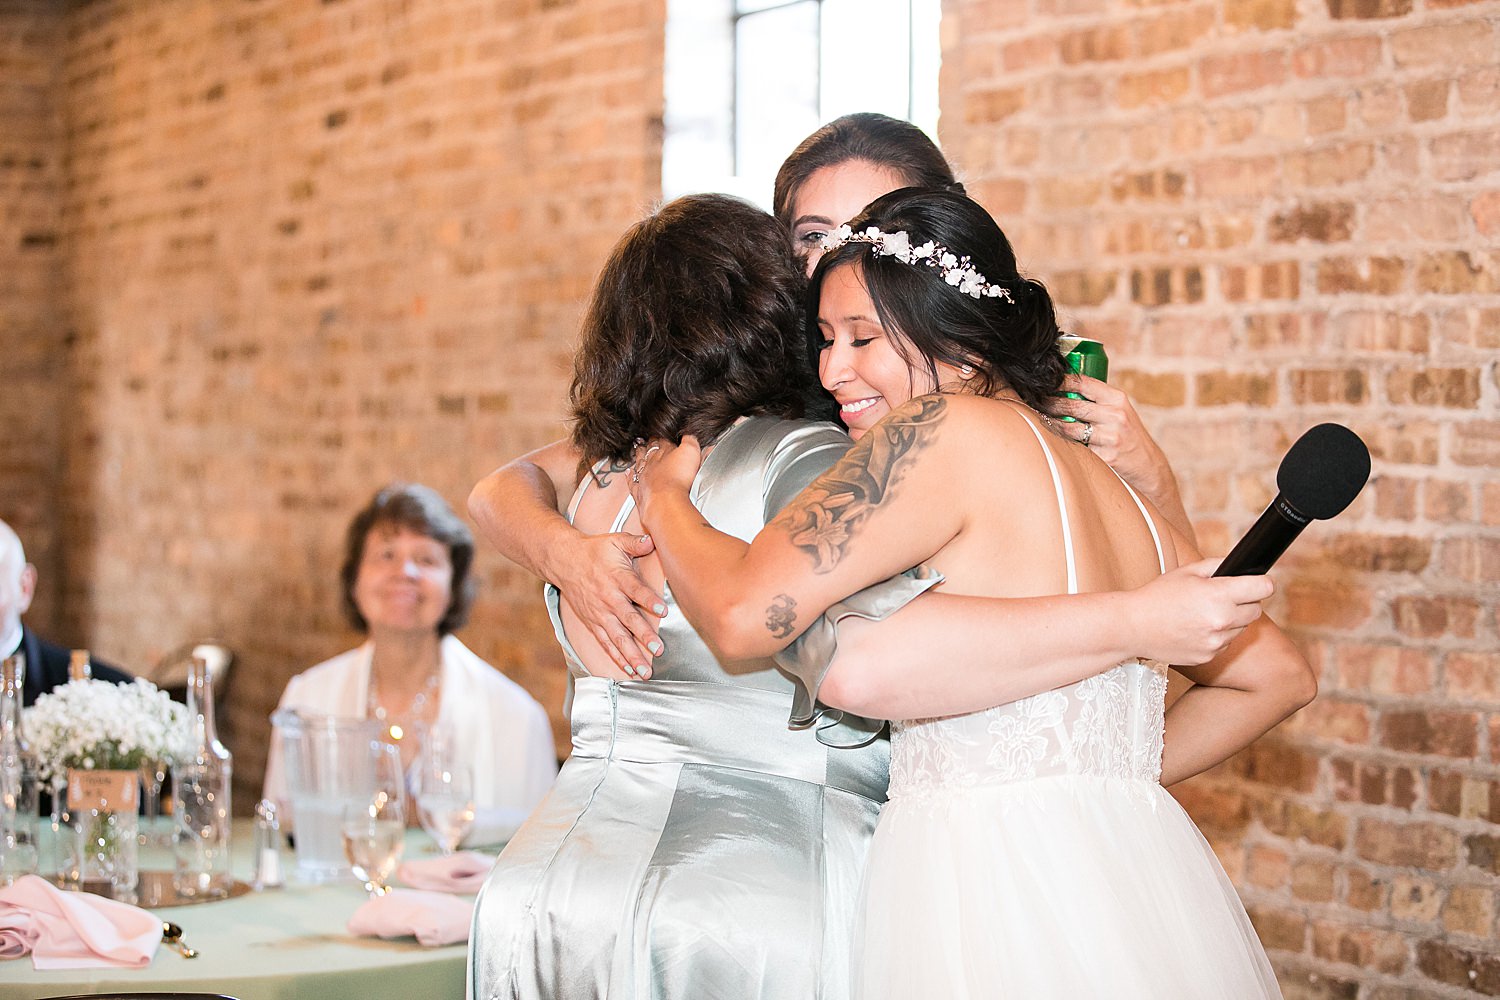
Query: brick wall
[257, 259]
[313, 247]
[1276, 213]
[33, 340]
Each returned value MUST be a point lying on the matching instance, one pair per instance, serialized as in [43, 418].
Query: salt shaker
[267, 843]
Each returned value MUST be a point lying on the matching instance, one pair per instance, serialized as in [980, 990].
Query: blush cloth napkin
[462, 872]
[433, 918]
[73, 930]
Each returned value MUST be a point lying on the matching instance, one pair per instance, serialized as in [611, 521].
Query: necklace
[415, 709]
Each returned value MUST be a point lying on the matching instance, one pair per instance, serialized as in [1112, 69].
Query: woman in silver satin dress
[693, 845]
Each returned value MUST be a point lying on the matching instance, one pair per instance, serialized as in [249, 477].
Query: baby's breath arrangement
[97, 725]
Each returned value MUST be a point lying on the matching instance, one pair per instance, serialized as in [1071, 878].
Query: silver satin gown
[695, 846]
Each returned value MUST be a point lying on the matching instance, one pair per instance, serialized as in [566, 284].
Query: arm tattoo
[602, 477]
[781, 616]
[824, 519]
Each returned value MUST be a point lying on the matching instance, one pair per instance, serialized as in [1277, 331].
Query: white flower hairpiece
[955, 270]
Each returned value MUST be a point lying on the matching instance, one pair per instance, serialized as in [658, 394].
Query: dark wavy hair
[1009, 345]
[420, 509]
[695, 321]
[896, 145]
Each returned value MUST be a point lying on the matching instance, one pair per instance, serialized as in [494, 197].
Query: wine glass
[373, 825]
[445, 802]
[374, 834]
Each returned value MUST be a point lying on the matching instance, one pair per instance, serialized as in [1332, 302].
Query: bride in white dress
[1028, 850]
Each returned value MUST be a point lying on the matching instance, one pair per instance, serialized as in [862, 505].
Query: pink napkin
[433, 918]
[73, 930]
[461, 872]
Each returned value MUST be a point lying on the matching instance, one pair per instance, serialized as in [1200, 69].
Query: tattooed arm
[518, 508]
[879, 510]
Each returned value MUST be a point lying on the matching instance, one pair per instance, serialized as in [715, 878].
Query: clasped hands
[661, 466]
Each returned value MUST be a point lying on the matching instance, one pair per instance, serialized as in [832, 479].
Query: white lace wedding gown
[1029, 851]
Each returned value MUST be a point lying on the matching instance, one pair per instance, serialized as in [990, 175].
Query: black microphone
[1318, 478]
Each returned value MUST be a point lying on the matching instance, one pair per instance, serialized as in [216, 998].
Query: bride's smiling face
[861, 363]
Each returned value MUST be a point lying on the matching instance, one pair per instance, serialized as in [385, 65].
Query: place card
[107, 791]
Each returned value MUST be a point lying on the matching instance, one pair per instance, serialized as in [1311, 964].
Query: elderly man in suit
[46, 664]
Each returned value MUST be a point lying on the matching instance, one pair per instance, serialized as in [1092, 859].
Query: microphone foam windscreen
[1324, 471]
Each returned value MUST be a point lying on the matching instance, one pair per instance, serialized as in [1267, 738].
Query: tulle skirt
[1063, 887]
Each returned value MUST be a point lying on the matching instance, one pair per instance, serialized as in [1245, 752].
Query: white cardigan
[504, 731]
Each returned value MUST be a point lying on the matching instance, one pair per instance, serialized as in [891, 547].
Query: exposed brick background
[257, 258]
[33, 349]
[1276, 213]
[299, 249]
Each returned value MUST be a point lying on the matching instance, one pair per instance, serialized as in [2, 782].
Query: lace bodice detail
[1109, 726]
[1106, 726]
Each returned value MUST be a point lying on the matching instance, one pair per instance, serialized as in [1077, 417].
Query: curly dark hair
[695, 322]
[422, 510]
[1009, 345]
[896, 145]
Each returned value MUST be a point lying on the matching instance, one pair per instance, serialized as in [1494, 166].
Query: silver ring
[1088, 435]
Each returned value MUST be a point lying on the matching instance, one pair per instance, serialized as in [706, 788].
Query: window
[746, 80]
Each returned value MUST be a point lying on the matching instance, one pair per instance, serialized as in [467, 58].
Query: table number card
[112, 791]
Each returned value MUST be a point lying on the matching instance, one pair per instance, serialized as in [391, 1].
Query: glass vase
[101, 811]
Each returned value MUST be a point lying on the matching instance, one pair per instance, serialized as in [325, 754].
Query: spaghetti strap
[583, 486]
[1062, 507]
[1161, 560]
[626, 508]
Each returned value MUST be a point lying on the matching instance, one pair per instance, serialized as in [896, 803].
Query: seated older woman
[406, 585]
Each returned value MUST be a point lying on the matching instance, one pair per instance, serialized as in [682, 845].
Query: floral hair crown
[956, 271]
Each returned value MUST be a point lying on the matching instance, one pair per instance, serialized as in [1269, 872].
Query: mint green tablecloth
[281, 944]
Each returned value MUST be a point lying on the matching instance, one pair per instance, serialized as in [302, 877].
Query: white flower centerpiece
[90, 738]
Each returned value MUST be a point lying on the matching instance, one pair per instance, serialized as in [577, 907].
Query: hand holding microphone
[1186, 617]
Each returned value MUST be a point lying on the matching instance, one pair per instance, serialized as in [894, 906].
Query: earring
[966, 370]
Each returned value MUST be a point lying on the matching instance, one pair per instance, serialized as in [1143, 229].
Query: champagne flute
[374, 834]
[445, 802]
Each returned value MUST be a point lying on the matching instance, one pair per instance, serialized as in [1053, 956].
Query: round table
[280, 944]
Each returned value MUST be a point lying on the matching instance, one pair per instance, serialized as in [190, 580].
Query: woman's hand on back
[1187, 616]
[597, 574]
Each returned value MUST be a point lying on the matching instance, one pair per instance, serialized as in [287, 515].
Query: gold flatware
[172, 934]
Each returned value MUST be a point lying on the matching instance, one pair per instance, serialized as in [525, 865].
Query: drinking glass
[374, 835]
[445, 802]
[153, 777]
[18, 817]
[373, 828]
